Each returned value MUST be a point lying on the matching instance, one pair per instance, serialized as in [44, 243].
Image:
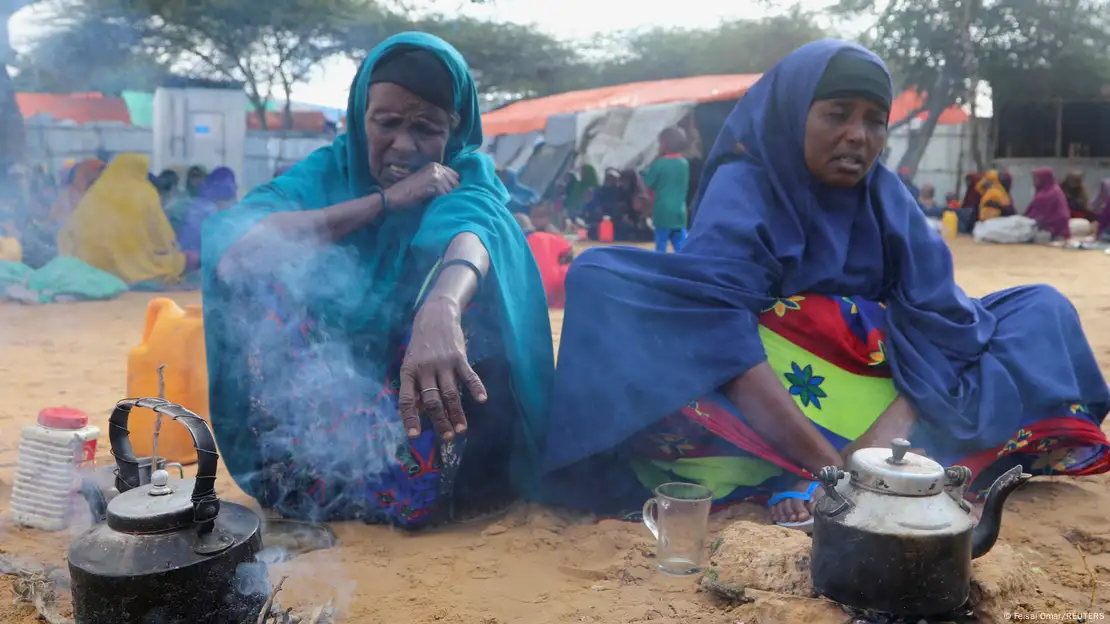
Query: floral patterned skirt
[830, 353]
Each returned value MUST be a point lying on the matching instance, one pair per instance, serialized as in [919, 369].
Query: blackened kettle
[897, 537]
[169, 552]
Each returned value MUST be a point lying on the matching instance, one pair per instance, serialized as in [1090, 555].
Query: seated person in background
[1049, 207]
[218, 192]
[1079, 203]
[1101, 206]
[521, 197]
[631, 224]
[378, 343]
[541, 218]
[120, 227]
[994, 200]
[928, 202]
[607, 201]
[952, 200]
[553, 254]
[812, 312]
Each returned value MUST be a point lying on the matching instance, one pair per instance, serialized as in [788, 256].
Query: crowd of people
[1062, 210]
[638, 206]
[112, 214]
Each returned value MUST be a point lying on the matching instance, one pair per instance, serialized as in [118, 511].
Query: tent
[618, 126]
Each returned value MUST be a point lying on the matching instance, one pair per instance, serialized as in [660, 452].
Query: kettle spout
[985, 533]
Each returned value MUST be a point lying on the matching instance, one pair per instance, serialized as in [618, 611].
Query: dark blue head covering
[644, 332]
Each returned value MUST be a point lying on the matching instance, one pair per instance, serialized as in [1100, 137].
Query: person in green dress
[668, 177]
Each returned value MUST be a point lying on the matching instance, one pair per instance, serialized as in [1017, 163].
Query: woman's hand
[431, 181]
[434, 364]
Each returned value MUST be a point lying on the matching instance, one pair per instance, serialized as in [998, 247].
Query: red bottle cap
[63, 418]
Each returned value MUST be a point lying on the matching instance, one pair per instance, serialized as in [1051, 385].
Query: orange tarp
[531, 115]
[77, 107]
[909, 101]
[303, 121]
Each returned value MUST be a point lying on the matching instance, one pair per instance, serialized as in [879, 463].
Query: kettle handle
[206, 506]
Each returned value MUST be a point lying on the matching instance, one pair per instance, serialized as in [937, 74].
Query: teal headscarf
[366, 280]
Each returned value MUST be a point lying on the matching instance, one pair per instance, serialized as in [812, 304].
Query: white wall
[202, 126]
[947, 158]
[52, 143]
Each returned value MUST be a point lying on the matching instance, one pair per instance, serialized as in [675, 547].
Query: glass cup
[679, 530]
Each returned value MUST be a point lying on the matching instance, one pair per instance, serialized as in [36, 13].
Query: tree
[267, 47]
[503, 57]
[88, 53]
[944, 48]
[738, 47]
[12, 137]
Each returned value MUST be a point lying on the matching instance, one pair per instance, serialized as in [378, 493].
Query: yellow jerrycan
[951, 224]
[173, 337]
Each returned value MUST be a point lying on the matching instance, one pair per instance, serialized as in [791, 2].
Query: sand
[536, 565]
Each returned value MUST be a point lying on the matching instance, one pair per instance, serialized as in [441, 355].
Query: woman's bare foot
[794, 509]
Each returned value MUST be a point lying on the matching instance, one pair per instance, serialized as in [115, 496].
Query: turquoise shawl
[366, 280]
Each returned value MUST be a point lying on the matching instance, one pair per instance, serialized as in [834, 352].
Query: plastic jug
[951, 223]
[173, 337]
[605, 230]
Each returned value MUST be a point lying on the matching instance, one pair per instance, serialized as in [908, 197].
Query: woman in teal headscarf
[357, 307]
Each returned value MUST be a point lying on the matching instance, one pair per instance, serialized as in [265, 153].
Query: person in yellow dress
[119, 227]
[994, 200]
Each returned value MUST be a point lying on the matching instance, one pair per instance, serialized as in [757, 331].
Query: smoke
[325, 422]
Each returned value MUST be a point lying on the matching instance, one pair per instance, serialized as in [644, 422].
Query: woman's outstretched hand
[435, 364]
[429, 182]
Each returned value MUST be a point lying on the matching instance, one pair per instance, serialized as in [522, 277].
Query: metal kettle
[169, 551]
[896, 537]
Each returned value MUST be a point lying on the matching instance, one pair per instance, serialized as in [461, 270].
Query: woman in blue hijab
[377, 335]
[812, 312]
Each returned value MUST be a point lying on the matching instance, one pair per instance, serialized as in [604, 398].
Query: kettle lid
[896, 471]
[153, 508]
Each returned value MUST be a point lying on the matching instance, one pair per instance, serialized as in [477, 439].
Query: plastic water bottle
[605, 230]
[47, 485]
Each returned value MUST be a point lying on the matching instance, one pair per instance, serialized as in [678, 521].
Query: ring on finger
[422, 392]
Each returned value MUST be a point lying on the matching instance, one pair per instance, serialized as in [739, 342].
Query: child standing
[668, 177]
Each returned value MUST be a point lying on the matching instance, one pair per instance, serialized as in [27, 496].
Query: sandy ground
[535, 565]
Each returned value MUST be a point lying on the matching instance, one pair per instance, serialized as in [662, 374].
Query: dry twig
[36, 588]
[1094, 579]
[272, 612]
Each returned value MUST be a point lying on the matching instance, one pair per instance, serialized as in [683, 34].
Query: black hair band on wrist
[466, 263]
[381, 193]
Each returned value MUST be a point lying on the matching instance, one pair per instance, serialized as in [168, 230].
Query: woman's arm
[768, 407]
[311, 229]
[435, 360]
[457, 284]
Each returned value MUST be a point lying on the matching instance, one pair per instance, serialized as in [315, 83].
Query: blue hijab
[644, 333]
[371, 279]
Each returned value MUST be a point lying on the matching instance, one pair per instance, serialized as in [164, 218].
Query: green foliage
[1035, 48]
[504, 57]
[739, 47]
[269, 47]
[88, 54]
